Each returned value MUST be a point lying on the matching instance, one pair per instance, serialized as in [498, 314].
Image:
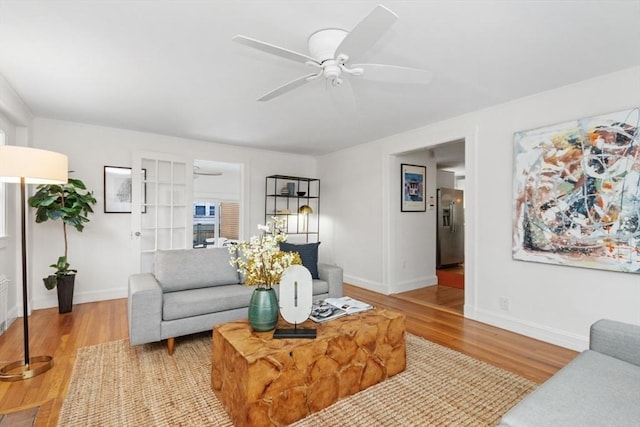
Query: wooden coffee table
[263, 381]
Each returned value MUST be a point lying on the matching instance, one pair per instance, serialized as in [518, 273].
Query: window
[200, 210]
[229, 220]
[215, 223]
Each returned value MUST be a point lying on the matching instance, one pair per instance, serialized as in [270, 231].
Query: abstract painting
[577, 193]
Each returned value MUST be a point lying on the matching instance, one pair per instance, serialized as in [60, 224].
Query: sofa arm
[332, 274]
[616, 339]
[144, 308]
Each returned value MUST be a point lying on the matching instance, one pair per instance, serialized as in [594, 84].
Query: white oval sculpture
[296, 294]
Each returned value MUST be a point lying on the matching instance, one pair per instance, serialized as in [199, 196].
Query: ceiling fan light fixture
[332, 71]
[331, 48]
[323, 43]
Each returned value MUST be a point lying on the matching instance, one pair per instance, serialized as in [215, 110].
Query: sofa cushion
[194, 302]
[592, 390]
[320, 287]
[308, 254]
[182, 269]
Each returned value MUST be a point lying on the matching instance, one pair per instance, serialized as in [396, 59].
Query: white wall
[552, 303]
[414, 249]
[9, 256]
[15, 119]
[351, 227]
[102, 253]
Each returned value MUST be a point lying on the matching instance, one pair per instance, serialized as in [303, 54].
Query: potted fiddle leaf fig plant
[71, 203]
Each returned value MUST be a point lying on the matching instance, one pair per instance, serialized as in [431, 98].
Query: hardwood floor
[61, 335]
[437, 296]
[447, 295]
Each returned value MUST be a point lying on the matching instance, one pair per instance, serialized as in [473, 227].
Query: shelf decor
[262, 263]
[296, 200]
[576, 187]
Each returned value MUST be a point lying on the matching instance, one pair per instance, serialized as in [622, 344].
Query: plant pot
[65, 292]
[263, 309]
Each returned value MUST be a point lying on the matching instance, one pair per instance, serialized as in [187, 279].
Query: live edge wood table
[263, 381]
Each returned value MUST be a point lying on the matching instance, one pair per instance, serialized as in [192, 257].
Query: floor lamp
[29, 166]
[305, 210]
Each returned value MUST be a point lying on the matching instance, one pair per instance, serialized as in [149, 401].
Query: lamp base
[37, 365]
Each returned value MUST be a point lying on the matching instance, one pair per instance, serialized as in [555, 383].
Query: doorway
[448, 294]
[450, 163]
[216, 203]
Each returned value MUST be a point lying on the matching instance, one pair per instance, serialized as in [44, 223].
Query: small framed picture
[117, 189]
[412, 193]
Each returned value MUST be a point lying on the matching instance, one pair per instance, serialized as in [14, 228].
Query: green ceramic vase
[263, 309]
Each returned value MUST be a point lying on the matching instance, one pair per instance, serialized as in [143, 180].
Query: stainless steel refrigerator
[450, 234]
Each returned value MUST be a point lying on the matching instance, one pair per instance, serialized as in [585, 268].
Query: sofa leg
[171, 343]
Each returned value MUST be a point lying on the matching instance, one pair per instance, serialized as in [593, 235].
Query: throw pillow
[308, 253]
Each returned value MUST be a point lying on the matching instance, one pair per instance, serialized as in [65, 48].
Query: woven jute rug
[118, 385]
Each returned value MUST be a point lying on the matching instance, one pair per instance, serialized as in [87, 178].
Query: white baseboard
[12, 315]
[413, 284]
[80, 297]
[530, 329]
[364, 283]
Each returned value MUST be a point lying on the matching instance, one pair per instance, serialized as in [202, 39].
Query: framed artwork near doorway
[117, 189]
[576, 187]
[412, 191]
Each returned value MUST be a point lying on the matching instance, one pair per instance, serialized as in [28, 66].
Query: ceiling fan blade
[273, 49]
[367, 32]
[197, 170]
[394, 73]
[288, 87]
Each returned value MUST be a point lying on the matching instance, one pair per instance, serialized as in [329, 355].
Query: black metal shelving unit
[284, 198]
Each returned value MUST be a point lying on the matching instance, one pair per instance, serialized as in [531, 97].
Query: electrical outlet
[505, 303]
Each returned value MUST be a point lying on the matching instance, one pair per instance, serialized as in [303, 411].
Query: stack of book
[332, 308]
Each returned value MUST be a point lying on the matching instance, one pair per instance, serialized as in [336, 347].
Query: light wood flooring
[437, 296]
[61, 335]
[447, 295]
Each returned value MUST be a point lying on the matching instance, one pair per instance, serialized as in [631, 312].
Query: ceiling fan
[197, 171]
[331, 50]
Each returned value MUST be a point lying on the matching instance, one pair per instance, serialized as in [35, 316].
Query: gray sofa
[600, 387]
[191, 290]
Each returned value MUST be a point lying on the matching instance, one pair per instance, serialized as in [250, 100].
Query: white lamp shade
[34, 165]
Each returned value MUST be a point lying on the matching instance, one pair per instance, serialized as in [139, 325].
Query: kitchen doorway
[449, 293]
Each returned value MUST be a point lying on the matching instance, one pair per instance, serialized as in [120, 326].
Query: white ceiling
[170, 67]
